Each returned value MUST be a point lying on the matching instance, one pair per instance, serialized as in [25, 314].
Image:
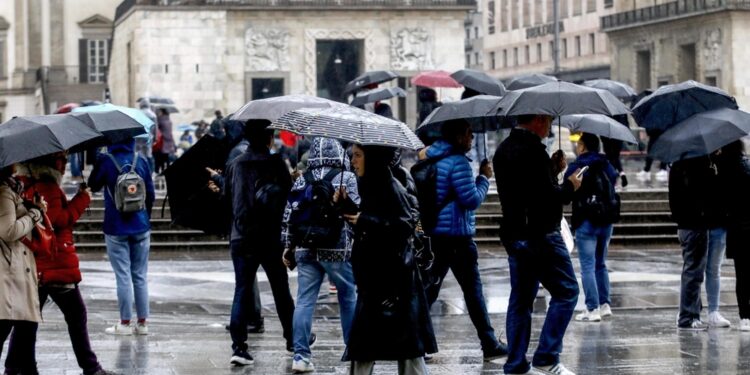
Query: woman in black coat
[734, 171]
[391, 318]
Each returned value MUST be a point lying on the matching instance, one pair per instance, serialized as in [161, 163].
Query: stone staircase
[645, 223]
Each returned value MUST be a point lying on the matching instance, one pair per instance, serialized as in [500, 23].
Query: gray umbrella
[561, 98]
[479, 82]
[376, 95]
[369, 78]
[480, 111]
[272, 109]
[599, 125]
[349, 124]
[620, 90]
[525, 81]
[701, 134]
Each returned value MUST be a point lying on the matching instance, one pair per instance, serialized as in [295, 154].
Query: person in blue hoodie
[459, 194]
[592, 236]
[127, 236]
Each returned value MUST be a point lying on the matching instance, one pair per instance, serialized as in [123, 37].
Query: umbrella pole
[484, 138]
[559, 132]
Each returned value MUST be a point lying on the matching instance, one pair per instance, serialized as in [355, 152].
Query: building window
[503, 14]
[476, 58]
[527, 13]
[550, 11]
[491, 17]
[578, 46]
[468, 33]
[592, 43]
[711, 81]
[514, 14]
[609, 3]
[551, 49]
[492, 60]
[527, 55]
[591, 6]
[96, 60]
[565, 48]
[539, 52]
[515, 56]
[468, 60]
[2, 58]
[577, 7]
[505, 58]
[476, 32]
[263, 88]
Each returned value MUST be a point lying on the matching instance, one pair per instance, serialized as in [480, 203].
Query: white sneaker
[662, 176]
[557, 369]
[140, 329]
[745, 325]
[589, 316]
[120, 329]
[643, 176]
[301, 364]
[715, 320]
[605, 310]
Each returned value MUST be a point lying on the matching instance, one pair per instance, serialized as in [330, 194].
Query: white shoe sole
[239, 361]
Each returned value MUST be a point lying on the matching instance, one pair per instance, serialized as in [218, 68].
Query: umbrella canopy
[67, 108]
[480, 111]
[620, 90]
[133, 113]
[435, 78]
[561, 98]
[376, 95]
[272, 109]
[24, 138]
[115, 126]
[479, 82]
[599, 125]
[369, 78]
[525, 81]
[158, 102]
[701, 134]
[671, 104]
[349, 124]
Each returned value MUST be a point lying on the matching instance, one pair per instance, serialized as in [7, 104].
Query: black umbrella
[561, 98]
[480, 111]
[349, 124]
[115, 126]
[599, 125]
[376, 95]
[671, 104]
[24, 138]
[369, 78]
[272, 109]
[701, 134]
[618, 89]
[479, 82]
[529, 80]
[191, 203]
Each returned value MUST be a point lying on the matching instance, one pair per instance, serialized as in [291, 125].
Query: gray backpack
[130, 189]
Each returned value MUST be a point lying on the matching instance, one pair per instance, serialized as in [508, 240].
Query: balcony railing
[126, 5]
[670, 10]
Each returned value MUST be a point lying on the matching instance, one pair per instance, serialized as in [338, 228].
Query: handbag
[42, 239]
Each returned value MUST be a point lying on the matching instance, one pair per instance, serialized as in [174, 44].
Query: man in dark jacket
[128, 235]
[459, 193]
[257, 183]
[695, 200]
[532, 201]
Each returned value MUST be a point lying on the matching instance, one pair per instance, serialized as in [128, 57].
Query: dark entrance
[338, 62]
[267, 87]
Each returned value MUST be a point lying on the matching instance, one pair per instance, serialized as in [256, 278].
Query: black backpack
[268, 205]
[425, 178]
[596, 199]
[315, 222]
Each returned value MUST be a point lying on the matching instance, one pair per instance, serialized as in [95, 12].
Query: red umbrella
[435, 78]
[289, 139]
[67, 108]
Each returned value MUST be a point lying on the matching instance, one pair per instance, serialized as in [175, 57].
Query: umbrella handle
[559, 132]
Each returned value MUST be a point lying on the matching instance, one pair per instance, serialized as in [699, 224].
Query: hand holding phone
[580, 173]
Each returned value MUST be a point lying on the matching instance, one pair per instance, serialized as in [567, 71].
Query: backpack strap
[135, 161]
[117, 165]
[332, 174]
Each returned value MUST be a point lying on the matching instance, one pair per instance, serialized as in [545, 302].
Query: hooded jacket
[104, 176]
[325, 154]
[583, 160]
[456, 182]
[695, 195]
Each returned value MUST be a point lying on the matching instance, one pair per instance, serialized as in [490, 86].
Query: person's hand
[295, 174]
[213, 172]
[486, 168]
[340, 194]
[284, 257]
[84, 189]
[575, 179]
[558, 161]
[40, 202]
[352, 219]
[213, 187]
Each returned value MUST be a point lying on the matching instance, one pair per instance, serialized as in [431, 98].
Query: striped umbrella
[272, 109]
[349, 124]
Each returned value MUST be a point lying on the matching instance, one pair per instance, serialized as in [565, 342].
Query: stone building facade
[217, 54]
[519, 35]
[703, 40]
[474, 42]
[52, 52]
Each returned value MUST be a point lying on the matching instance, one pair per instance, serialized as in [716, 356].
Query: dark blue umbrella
[701, 134]
[671, 104]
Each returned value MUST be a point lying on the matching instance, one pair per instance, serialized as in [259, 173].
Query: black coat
[382, 234]
[695, 196]
[530, 195]
[735, 182]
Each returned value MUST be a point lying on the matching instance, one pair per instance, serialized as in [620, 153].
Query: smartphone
[581, 172]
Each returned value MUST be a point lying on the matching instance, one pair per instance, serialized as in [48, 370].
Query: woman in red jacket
[58, 270]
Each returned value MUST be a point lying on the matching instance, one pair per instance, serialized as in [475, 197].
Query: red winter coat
[60, 267]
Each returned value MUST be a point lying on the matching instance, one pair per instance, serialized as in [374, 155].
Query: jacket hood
[589, 158]
[439, 148]
[326, 152]
[127, 146]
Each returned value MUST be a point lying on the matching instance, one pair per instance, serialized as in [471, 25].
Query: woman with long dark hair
[391, 319]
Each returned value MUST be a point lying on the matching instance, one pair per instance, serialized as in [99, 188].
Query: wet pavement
[191, 296]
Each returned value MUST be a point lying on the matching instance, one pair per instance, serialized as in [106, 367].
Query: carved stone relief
[267, 50]
[411, 49]
[712, 50]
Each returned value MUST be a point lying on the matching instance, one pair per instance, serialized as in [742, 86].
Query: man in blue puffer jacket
[452, 238]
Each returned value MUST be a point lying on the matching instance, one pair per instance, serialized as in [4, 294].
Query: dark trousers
[544, 260]
[459, 254]
[612, 149]
[71, 304]
[742, 272]
[245, 269]
[694, 245]
[161, 161]
[21, 357]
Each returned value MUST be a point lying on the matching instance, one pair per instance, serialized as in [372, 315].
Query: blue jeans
[546, 260]
[694, 245]
[76, 164]
[129, 258]
[310, 273]
[717, 243]
[592, 242]
[459, 254]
